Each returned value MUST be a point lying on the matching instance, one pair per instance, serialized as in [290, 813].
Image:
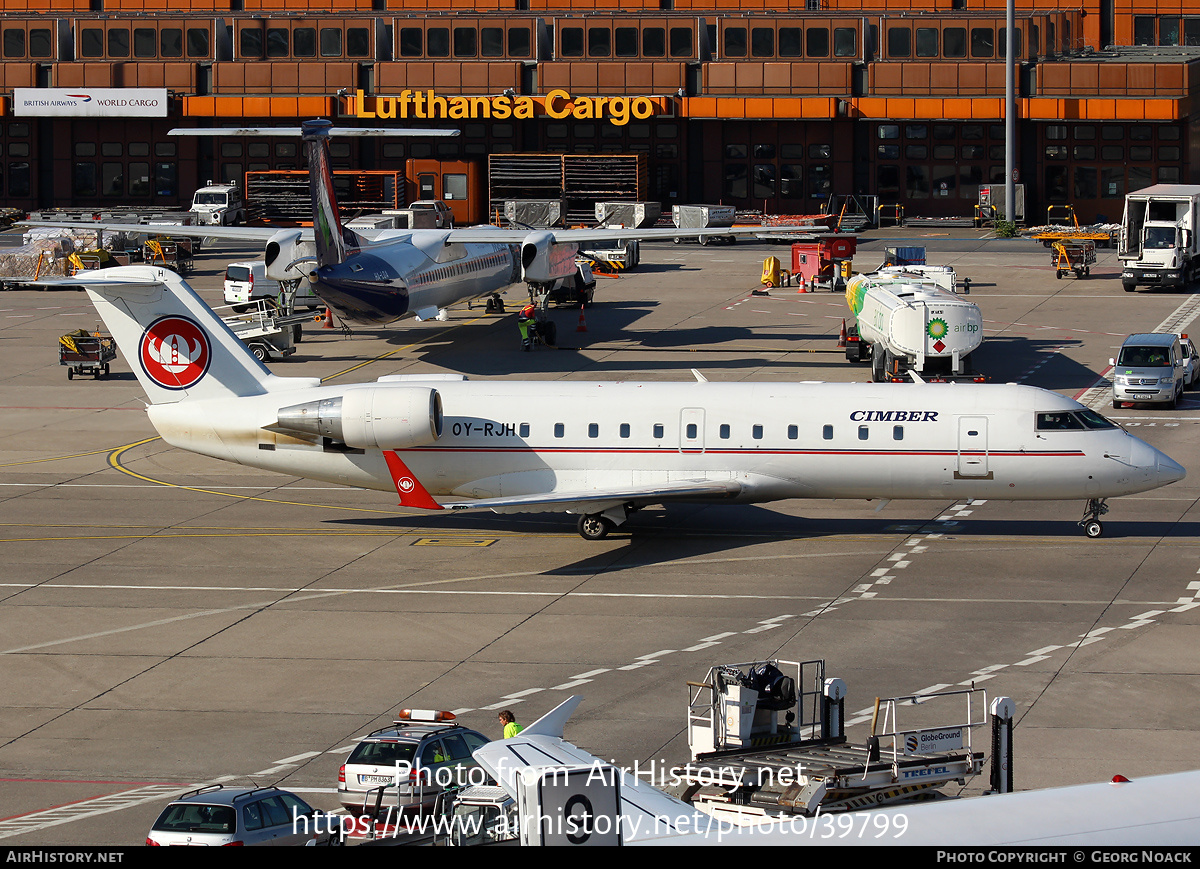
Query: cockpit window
[1058, 421]
[1062, 420]
[1091, 419]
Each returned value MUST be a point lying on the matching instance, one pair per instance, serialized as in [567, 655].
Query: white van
[246, 283]
[1150, 368]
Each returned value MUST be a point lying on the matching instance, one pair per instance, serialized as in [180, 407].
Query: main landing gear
[596, 526]
[1092, 512]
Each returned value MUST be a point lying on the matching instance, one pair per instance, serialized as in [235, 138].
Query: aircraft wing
[226, 233]
[599, 500]
[496, 235]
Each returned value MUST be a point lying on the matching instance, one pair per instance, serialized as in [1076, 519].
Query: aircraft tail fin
[176, 345]
[334, 242]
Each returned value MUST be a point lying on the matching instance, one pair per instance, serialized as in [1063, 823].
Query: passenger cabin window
[757, 432]
[863, 431]
[524, 430]
[827, 432]
[658, 429]
[559, 429]
[725, 432]
[593, 430]
[692, 431]
[624, 429]
[793, 432]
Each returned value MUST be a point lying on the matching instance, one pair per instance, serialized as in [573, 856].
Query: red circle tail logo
[174, 352]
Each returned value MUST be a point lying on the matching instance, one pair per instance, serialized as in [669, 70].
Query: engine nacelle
[544, 260]
[288, 258]
[386, 418]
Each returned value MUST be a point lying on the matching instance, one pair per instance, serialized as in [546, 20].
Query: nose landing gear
[1092, 511]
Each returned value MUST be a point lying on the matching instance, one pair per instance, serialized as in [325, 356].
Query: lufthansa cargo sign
[90, 102]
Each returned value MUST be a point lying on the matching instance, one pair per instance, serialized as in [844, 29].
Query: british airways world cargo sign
[91, 102]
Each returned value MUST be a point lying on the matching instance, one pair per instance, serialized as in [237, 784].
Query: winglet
[408, 487]
[554, 722]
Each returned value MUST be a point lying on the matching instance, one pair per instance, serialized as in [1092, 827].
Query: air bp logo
[174, 352]
[938, 328]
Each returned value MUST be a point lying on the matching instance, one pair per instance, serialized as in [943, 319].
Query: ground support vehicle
[768, 739]
[86, 353]
[264, 330]
[1191, 362]
[217, 815]
[1157, 244]
[703, 217]
[1076, 256]
[397, 773]
[823, 264]
[624, 257]
[578, 289]
[909, 322]
[175, 254]
[219, 205]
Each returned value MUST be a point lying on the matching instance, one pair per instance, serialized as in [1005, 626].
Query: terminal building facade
[768, 105]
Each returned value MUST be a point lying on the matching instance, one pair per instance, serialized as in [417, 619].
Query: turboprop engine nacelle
[372, 418]
[288, 258]
[544, 260]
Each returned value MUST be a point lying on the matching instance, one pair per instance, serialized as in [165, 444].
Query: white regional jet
[605, 449]
[380, 276]
[1156, 811]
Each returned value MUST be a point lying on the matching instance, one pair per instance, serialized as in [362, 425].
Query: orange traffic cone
[328, 324]
[842, 337]
[582, 327]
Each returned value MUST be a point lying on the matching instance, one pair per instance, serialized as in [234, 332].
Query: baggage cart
[86, 353]
[1077, 255]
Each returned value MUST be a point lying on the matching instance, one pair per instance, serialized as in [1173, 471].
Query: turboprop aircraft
[380, 276]
[603, 450]
[602, 805]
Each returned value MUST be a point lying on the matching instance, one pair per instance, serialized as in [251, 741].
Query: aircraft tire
[593, 526]
[1093, 529]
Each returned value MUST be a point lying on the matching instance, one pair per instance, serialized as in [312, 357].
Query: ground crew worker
[527, 323]
[511, 728]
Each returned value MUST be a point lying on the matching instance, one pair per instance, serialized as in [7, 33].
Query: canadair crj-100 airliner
[380, 276]
[605, 449]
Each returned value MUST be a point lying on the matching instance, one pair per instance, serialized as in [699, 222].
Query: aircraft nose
[1167, 469]
[1154, 466]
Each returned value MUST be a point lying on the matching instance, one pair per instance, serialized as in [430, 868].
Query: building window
[899, 42]
[927, 41]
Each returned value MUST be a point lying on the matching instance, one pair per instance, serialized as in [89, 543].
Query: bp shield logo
[174, 352]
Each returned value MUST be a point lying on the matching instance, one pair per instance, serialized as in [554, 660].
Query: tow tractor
[768, 740]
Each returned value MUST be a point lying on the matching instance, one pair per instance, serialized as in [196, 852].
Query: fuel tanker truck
[911, 320]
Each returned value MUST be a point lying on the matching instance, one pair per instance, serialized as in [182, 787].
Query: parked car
[217, 815]
[401, 770]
